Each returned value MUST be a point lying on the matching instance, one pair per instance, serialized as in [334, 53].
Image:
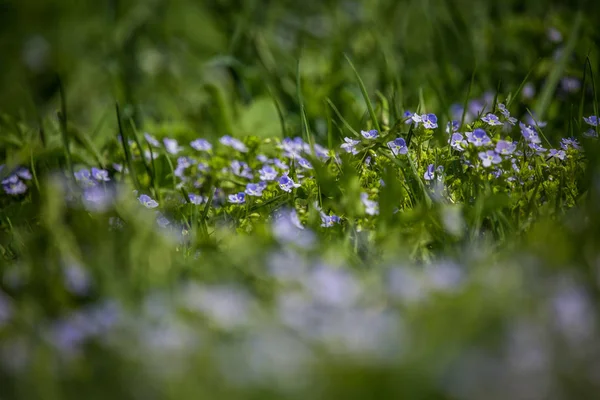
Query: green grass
[448, 291]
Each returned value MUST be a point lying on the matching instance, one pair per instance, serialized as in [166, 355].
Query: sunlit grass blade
[365, 95]
[339, 115]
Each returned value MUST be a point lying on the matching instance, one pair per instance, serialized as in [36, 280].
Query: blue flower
[570, 84]
[554, 35]
[262, 158]
[280, 164]
[267, 173]
[287, 184]
[161, 220]
[292, 148]
[478, 137]
[491, 119]
[238, 198]
[171, 146]
[327, 221]
[201, 145]
[304, 163]
[14, 186]
[591, 120]
[505, 147]
[429, 121]
[196, 199]
[350, 145]
[489, 157]
[23, 173]
[570, 142]
[590, 133]
[100, 174]
[537, 148]
[429, 173]
[241, 169]
[253, 189]
[416, 118]
[372, 134]
[82, 175]
[151, 140]
[560, 154]
[398, 146]
[529, 133]
[457, 142]
[97, 199]
[77, 280]
[371, 206]
[452, 126]
[233, 143]
[528, 91]
[503, 110]
[532, 121]
[147, 201]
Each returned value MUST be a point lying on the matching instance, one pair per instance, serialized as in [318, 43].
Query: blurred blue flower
[82, 175]
[457, 142]
[23, 173]
[304, 163]
[560, 154]
[539, 149]
[371, 206]
[429, 173]
[100, 174]
[267, 173]
[233, 143]
[241, 169]
[287, 229]
[161, 220]
[350, 145]
[372, 134]
[429, 121]
[570, 84]
[280, 164]
[503, 110]
[14, 186]
[196, 199]
[398, 146]
[253, 189]
[530, 119]
[478, 137]
[97, 198]
[554, 35]
[491, 119]
[201, 145]
[77, 280]
[287, 184]
[489, 157]
[151, 140]
[591, 120]
[505, 147]
[262, 158]
[452, 126]
[6, 310]
[147, 201]
[528, 91]
[590, 133]
[172, 146]
[327, 221]
[238, 198]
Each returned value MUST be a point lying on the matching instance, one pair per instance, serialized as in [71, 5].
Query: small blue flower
[429, 121]
[371, 206]
[14, 186]
[147, 201]
[532, 121]
[416, 118]
[529, 133]
[554, 35]
[566, 143]
[505, 147]
[590, 133]
[591, 120]
[238, 198]
[350, 145]
[161, 220]
[118, 167]
[253, 189]
[430, 173]
[528, 91]
[280, 164]
[201, 145]
[570, 84]
[452, 126]
[398, 146]
[196, 199]
[372, 134]
[77, 280]
[457, 142]
[233, 143]
[327, 221]
[478, 137]
[151, 140]
[23, 173]
[262, 158]
[241, 169]
[292, 148]
[489, 157]
[491, 119]
[287, 184]
[503, 110]
[171, 146]
[82, 175]
[537, 148]
[304, 163]
[100, 174]
[560, 154]
[267, 173]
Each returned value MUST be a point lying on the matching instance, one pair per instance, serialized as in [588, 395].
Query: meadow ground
[357, 199]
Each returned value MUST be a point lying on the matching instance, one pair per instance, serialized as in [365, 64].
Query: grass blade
[365, 95]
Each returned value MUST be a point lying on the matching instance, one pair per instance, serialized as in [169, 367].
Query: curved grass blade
[365, 95]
